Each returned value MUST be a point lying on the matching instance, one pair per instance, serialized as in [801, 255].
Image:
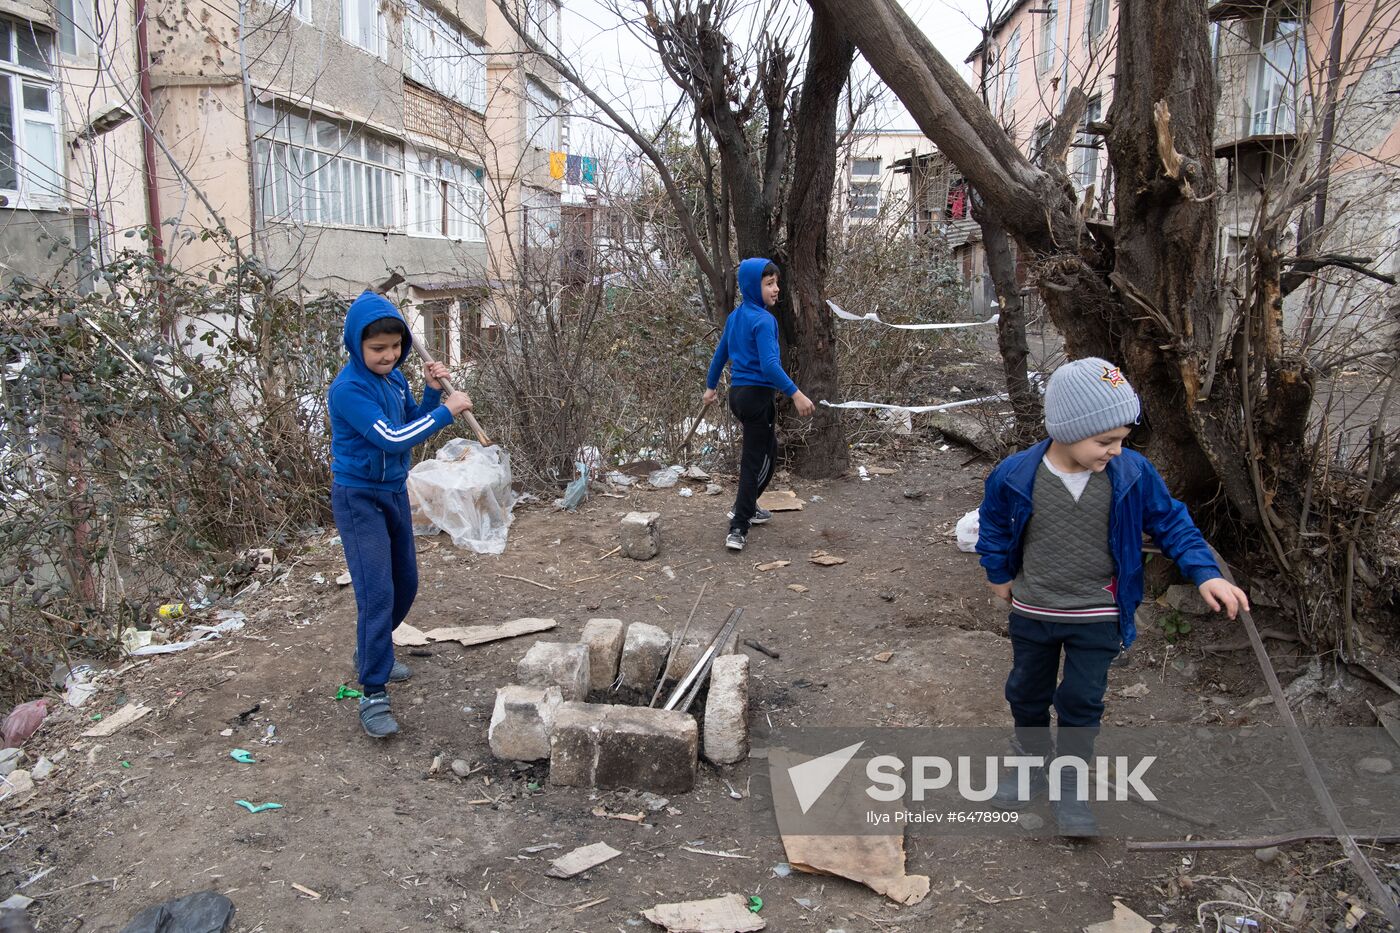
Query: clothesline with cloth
[573, 169]
[874, 318]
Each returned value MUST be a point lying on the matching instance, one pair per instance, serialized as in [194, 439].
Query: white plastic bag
[967, 532]
[465, 492]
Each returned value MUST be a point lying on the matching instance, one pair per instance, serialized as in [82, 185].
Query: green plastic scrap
[258, 807]
[243, 756]
[755, 903]
[347, 693]
[126, 764]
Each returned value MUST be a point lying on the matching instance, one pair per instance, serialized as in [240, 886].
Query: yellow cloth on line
[557, 162]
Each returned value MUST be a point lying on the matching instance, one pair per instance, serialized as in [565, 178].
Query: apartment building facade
[336, 140]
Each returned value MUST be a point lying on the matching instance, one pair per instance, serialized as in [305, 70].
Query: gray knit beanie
[1088, 397]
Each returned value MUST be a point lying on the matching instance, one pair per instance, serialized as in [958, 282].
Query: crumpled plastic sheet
[968, 529]
[464, 491]
[230, 621]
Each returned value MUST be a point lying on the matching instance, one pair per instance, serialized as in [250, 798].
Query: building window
[1086, 147]
[362, 23]
[1096, 20]
[31, 160]
[865, 200]
[437, 319]
[866, 167]
[468, 327]
[1011, 67]
[301, 9]
[77, 27]
[542, 117]
[542, 217]
[441, 56]
[542, 21]
[1039, 141]
[445, 199]
[1049, 20]
[1278, 69]
[316, 171]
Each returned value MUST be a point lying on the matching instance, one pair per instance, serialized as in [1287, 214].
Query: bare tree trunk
[809, 207]
[1011, 327]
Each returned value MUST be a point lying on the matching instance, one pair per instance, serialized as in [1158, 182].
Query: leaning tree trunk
[1011, 326]
[1142, 295]
[808, 213]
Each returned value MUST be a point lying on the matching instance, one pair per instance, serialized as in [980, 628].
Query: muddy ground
[149, 813]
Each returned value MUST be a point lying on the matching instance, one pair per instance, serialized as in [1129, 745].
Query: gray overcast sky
[622, 69]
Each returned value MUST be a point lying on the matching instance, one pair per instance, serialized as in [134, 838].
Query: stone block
[641, 535]
[727, 710]
[556, 664]
[521, 722]
[643, 655]
[604, 640]
[608, 747]
[1186, 599]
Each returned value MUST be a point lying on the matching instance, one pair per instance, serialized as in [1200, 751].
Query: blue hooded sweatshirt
[375, 421]
[750, 338]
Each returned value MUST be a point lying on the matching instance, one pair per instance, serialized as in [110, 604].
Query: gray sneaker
[400, 670]
[735, 541]
[760, 517]
[376, 717]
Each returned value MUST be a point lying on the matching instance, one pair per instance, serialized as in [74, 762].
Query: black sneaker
[1072, 816]
[760, 517]
[1008, 795]
[375, 716]
[400, 671]
[735, 541]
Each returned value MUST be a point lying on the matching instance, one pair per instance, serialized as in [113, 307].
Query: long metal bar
[683, 697]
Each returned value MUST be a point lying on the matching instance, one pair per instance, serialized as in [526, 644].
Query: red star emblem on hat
[1112, 376]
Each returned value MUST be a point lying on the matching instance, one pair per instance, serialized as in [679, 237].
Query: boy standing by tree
[750, 342]
[375, 423]
[1061, 529]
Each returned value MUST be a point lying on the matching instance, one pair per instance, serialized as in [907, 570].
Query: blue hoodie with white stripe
[375, 421]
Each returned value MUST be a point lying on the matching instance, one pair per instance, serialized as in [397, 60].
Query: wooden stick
[699, 417]
[1255, 842]
[507, 576]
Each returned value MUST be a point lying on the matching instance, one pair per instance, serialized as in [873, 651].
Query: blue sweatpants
[376, 528]
[1036, 646]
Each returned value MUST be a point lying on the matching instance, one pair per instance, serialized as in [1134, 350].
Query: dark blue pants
[376, 528]
[754, 407]
[1088, 649]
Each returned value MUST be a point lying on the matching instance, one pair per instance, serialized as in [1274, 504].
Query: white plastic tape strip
[875, 318]
[917, 409]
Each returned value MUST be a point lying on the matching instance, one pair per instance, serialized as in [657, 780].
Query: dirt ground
[149, 813]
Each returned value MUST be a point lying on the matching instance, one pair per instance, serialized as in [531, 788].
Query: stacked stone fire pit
[611, 743]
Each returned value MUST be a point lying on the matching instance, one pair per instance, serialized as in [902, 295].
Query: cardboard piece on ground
[1124, 920]
[880, 471]
[823, 559]
[582, 859]
[772, 565]
[406, 636]
[884, 657]
[875, 861]
[781, 500]
[727, 914]
[797, 587]
[117, 721]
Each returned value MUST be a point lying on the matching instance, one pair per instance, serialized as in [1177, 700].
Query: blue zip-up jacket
[750, 339]
[1141, 503]
[375, 421]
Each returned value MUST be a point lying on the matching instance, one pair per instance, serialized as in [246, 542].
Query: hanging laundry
[556, 164]
[590, 169]
[574, 170]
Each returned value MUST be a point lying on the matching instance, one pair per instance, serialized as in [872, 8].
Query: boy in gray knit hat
[1060, 536]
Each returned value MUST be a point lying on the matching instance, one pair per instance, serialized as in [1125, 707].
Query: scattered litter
[727, 914]
[772, 565]
[713, 489]
[804, 902]
[823, 559]
[1135, 692]
[696, 474]
[782, 869]
[9, 760]
[797, 587]
[243, 756]
[782, 500]
[714, 853]
[668, 573]
[531, 850]
[665, 478]
[1124, 920]
[619, 479]
[134, 638]
[201, 912]
[319, 579]
[629, 817]
[685, 492]
[117, 721]
[258, 807]
[967, 531]
[464, 491]
[226, 733]
[581, 860]
[880, 471]
[16, 902]
[346, 692]
[864, 474]
[654, 802]
[24, 720]
[755, 903]
[229, 621]
[343, 579]
[16, 787]
[884, 656]
[303, 889]
[577, 491]
[171, 611]
[77, 684]
[406, 635]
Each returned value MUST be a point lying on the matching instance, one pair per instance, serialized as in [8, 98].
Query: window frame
[1045, 60]
[856, 169]
[542, 234]
[454, 62]
[861, 191]
[457, 186]
[534, 121]
[1278, 114]
[1086, 161]
[1011, 70]
[24, 193]
[351, 29]
[1096, 21]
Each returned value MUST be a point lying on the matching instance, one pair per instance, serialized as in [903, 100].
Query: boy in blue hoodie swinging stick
[375, 424]
[750, 342]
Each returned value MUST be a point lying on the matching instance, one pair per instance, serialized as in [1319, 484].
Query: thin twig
[508, 576]
[80, 884]
[676, 642]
